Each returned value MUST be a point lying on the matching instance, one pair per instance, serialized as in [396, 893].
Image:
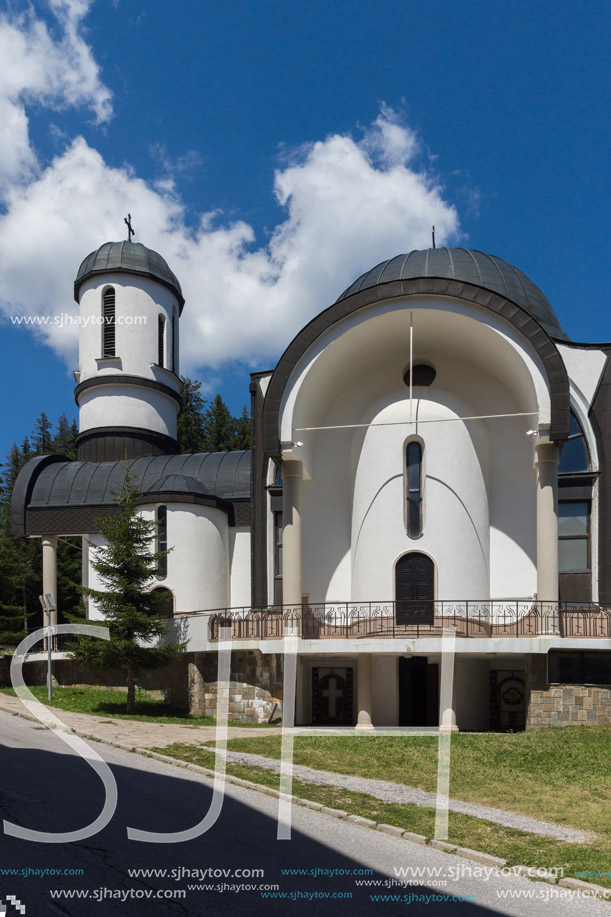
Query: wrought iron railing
[408, 619]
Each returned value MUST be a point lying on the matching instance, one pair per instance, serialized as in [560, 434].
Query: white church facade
[430, 452]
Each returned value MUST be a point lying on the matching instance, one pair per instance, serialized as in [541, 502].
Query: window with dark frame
[573, 536]
[413, 456]
[162, 541]
[277, 558]
[579, 668]
[108, 328]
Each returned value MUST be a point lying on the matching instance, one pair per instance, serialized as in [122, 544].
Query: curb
[529, 872]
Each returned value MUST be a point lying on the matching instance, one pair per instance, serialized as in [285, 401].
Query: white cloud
[348, 203]
[53, 71]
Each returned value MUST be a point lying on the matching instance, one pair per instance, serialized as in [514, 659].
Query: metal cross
[128, 222]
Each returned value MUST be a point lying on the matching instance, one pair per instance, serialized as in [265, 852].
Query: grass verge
[558, 775]
[517, 847]
[98, 702]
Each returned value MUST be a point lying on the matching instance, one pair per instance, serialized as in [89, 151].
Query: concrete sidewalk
[135, 733]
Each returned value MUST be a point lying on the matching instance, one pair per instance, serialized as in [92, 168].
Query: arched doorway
[415, 589]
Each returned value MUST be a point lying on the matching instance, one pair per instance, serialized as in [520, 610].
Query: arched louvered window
[413, 488]
[108, 327]
[161, 341]
[162, 541]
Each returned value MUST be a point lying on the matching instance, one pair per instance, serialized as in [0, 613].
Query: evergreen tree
[42, 438]
[134, 615]
[69, 577]
[219, 427]
[242, 430]
[190, 427]
[64, 441]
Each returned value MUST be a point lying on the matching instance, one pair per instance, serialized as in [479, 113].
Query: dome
[128, 258]
[481, 270]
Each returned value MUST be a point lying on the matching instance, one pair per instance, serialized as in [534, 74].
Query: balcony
[413, 619]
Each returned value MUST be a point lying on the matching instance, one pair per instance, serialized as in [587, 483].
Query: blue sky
[274, 151]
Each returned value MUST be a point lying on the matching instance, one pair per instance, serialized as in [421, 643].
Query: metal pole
[48, 613]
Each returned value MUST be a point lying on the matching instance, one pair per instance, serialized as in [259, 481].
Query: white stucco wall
[479, 487]
[137, 299]
[239, 559]
[138, 304]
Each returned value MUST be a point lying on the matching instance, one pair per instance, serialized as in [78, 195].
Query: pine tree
[190, 428]
[64, 441]
[134, 615]
[42, 438]
[242, 428]
[219, 427]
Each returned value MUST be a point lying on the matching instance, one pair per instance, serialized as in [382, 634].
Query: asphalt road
[43, 786]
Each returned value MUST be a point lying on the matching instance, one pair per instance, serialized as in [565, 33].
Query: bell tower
[128, 388]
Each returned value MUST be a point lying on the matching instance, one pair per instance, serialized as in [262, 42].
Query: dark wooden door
[415, 589]
[418, 692]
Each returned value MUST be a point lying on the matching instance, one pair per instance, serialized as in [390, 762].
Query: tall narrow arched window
[160, 341]
[166, 601]
[162, 541]
[413, 488]
[174, 342]
[574, 455]
[108, 327]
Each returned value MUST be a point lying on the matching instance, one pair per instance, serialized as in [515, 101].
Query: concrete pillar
[546, 464]
[49, 575]
[364, 691]
[292, 472]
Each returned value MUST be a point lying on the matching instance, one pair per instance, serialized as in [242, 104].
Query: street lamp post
[48, 606]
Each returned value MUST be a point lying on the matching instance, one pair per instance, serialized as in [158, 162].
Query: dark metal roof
[178, 484]
[52, 481]
[129, 258]
[477, 268]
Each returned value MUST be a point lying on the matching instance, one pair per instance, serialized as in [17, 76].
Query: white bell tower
[128, 383]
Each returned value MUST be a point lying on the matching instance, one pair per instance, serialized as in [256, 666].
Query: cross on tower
[128, 222]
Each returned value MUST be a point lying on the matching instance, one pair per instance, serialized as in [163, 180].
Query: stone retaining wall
[563, 705]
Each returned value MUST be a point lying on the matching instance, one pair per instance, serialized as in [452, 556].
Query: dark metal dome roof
[129, 258]
[482, 270]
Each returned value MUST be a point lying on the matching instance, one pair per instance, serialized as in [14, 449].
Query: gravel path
[399, 793]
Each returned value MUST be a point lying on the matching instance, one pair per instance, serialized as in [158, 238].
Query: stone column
[292, 472]
[49, 576]
[546, 464]
[364, 691]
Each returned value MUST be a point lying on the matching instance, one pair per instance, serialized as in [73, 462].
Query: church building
[431, 451]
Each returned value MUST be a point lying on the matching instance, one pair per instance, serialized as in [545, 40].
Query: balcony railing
[409, 619]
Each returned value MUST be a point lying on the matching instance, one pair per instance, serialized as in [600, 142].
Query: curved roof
[474, 267]
[129, 258]
[47, 482]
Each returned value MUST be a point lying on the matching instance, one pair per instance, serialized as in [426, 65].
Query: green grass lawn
[517, 847]
[103, 703]
[560, 775]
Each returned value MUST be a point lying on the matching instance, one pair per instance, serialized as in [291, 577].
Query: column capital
[292, 468]
[547, 451]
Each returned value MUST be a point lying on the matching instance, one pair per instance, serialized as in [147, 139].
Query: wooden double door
[415, 589]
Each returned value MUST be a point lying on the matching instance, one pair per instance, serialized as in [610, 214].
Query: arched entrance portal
[415, 589]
